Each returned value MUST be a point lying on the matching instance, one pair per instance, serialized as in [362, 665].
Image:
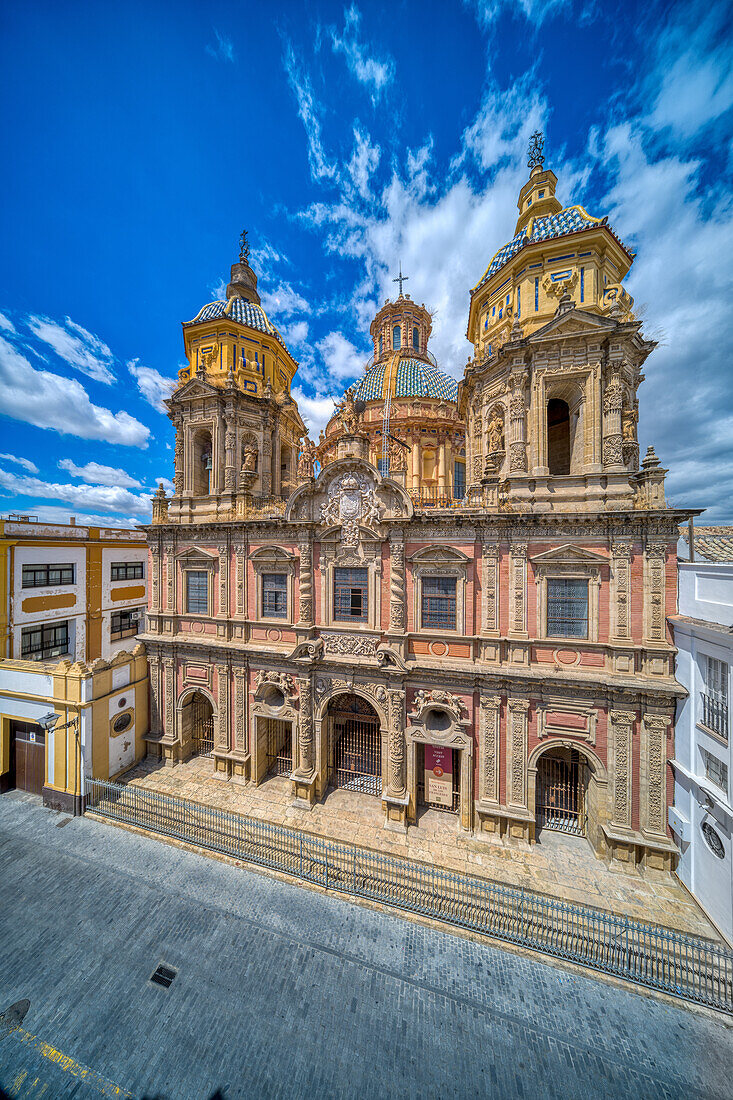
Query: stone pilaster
[490, 712]
[169, 557]
[155, 667]
[155, 576]
[517, 427]
[621, 552]
[653, 777]
[620, 766]
[240, 555]
[518, 588]
[490, 583]
[221, 735]
[223, 581]
[230, 470]
[240, 695]
[655, 555]
[612, 435]
[516, 753]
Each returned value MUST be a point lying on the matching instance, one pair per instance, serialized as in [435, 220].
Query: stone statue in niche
[495, 432]
[629, 418]
[397, 458]
[249, 458]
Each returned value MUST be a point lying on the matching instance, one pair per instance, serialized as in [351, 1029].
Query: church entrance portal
[354, 745]
[201, 717]
[560, 802]
[279, 745]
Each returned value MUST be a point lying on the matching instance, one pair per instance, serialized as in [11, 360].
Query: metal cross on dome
[536, 150]
[401, 278]
[243, 247]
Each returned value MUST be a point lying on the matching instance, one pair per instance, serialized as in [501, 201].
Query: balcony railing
[715, 715]
[431, 496]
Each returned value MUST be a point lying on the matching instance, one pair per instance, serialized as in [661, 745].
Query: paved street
[281, 991]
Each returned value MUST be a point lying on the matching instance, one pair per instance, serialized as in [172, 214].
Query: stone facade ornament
[353, 504]
[281, 680]
[305, 728]
[453, 703]
[349, 645]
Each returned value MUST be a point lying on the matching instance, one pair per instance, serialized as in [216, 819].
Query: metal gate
[279, 742]
[202, 726]
[27, 756]
[356, 751]
[560, 800]
[456, 791]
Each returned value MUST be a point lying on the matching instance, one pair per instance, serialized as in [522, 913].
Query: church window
[350, 595]
[541, 195]
[501, 314]
[416, 338]
[274, 596]
[493, 312]
[396, 337]
[459, 475]
[507, 298]
[558, 437]
[489, 349]
[438, 603]
[536, 293]
[197, 592]
[582, 284]
[567, 607]
[529, 202]
[519, 301]
[381, 344]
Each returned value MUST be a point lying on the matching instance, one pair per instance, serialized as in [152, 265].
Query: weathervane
[243, 247]
[401, 278]
[536, 150]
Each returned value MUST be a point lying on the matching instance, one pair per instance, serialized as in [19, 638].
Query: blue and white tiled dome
[571, 220]
[411, 378]
[238, 309]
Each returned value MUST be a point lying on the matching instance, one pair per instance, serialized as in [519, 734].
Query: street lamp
[48, 723]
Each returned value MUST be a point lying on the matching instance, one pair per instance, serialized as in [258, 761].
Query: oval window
[275, 698]
[715, 844]
[122, 723]
[437, 720]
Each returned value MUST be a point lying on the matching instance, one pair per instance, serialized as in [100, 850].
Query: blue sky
[140, 138]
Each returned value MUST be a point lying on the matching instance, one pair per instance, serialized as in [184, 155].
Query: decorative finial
[401, 278]
[243, 247]
[536, 151]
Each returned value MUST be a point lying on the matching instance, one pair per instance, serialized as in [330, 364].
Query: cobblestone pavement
[283, 991]
[560, 865]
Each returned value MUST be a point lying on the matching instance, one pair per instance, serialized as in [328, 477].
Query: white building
[702, 814]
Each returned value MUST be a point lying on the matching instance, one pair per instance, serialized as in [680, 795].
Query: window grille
[39, 643]
[567, 608]
[127, 571]
[38, 576]
[197, 592]
[439, 603]
[716, 771]
[125, 624]
[715, 696]
[350, 595]
[274, 595]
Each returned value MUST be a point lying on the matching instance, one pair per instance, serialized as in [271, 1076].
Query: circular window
[275, 698]
[122, 723]
[437, 720]
[122, 702]
[715, 844]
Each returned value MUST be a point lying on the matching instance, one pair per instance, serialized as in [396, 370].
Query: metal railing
[430, 496]
[685, 966]
[715, 715]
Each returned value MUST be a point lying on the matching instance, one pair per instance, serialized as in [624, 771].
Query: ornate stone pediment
[573, 322]
[350, 494]
[439, 555]
[569, 555]
[195, 388]
[196, 553]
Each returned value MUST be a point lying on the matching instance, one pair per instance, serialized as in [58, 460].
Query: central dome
[403, 375]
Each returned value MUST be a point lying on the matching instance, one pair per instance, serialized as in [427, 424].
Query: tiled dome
[411, 378]
[571, 220]
[238, 309]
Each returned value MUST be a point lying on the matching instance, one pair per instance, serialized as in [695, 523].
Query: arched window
[558, 436]
[396, 337]
[381, 344]
[202, 463]
[416, 338]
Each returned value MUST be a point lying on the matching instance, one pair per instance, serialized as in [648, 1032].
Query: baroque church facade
[457, 597]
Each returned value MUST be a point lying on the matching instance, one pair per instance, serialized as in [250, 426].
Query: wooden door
[28, 747]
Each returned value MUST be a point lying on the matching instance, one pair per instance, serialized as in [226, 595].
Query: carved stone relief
[621, 726]
[517, 753]
[490, 713]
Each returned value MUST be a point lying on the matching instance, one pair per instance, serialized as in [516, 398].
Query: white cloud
[535, 11]
[49, 401]
[218, 291]
[364, 163]
[373, 72]
[309, 111]
[6, 323]
[283, 301]
[222, 49]
[82, 350]
[54, 513]
[153, 385]
[165, 482]
[104, 497]
[316, 411]
[95, 474]
[341, 359]
[24, 462]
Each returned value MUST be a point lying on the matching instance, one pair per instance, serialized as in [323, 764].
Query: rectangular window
[507, 298]
[536, 293]
[127, 571]
[39, 576]
[350, 595]
[439, 603]
[125, 624]
[519, 301]
[715, 770]
[715, 696]
[582, 284]
[274, 595]
[541, 195]
[39, 643]
[197, 592]
[567, 608]
[459, 476]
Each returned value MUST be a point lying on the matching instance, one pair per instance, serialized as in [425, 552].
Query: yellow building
[72, 600]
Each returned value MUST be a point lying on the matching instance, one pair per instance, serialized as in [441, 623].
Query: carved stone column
[490, 582]
[169, 552]
[266, 476]
[240, 696]
[178, 456]
[223, 581]
[516, 754]
[613, 400]
[170, 733]
[620, 764]
[230, 469]
[517, 414]
[306, 746]
[655, 555]
[305, 549]
[155, 571]
[490, 712]
[240, 557]
[621, 552]
[518, 588]
[155, 667]
[396, 759]
[397, 580]
[653, 775]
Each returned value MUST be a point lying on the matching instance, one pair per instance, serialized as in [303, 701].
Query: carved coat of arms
[352, 503]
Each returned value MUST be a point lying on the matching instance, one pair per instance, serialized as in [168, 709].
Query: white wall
[705, 593]
[109, 606]
[73, 613]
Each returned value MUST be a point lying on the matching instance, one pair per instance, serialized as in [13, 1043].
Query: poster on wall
[438, 775]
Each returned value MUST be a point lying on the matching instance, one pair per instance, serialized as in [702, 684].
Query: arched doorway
[197, 724]
[354, 745]
[561, 791]
[558, 436]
